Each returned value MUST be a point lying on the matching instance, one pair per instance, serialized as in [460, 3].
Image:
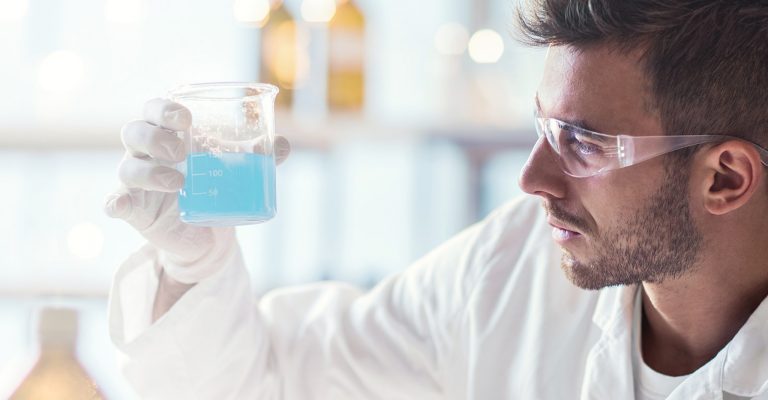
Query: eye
[582, 145]
[587, 149]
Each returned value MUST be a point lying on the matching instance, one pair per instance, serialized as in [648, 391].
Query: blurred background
[409, 120]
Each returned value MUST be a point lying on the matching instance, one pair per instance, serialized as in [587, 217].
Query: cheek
[598, 202]
[611, 199]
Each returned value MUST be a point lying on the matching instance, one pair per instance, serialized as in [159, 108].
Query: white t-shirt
[649, 384]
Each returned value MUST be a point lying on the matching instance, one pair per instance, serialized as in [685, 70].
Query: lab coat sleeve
[320, 341]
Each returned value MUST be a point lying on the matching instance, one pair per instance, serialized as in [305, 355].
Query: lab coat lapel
[704, 384]
[745, 362]
[608, 373]
[738, 371]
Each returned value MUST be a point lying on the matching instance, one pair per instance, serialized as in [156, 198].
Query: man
[650, 168]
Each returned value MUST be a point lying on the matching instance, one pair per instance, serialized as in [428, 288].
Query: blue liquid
[228, 189]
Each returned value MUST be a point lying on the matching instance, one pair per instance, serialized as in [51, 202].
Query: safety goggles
[583, 153]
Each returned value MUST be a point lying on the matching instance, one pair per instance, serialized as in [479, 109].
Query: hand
[148, 197]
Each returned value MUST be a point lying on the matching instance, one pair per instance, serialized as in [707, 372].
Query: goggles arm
[636, 149]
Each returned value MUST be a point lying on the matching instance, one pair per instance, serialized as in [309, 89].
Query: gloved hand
[148, 197]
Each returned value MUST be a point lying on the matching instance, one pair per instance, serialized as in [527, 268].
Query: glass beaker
[230, 165]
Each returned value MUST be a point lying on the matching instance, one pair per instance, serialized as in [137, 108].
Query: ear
[733, 170]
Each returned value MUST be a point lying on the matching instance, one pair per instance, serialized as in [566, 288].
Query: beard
[658, 241]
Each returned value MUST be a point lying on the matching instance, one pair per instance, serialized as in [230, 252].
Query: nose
[541, 175]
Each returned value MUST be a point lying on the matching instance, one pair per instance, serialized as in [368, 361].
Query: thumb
[282, 149]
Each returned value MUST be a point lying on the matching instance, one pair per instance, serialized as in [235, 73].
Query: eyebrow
[581, 123]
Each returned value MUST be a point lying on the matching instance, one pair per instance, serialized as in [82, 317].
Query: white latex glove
[148, 198]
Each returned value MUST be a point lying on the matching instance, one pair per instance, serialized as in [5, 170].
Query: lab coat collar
[613, 311]
[745, 372]
[740, 368]
[608, 370]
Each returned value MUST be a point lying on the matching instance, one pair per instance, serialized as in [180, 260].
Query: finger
[140, 208]
[118, 204]
[141, 139]
[282, 149]
[149, 175]
[167, 114]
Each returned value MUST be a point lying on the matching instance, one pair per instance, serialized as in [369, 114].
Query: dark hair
[706, 61]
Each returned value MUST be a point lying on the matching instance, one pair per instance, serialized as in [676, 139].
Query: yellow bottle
[279, 52]
[346, 58]
[57, 374]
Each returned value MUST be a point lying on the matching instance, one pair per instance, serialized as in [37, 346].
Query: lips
[561, 226]
[562, 236]
[562, 233]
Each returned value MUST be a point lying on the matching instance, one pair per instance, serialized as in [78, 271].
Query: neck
[688, 320]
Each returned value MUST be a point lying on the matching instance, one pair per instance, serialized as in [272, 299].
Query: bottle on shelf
[346, 58]
[279, 52]
[57, 374]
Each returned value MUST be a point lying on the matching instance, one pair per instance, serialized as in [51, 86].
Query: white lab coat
[487, 315]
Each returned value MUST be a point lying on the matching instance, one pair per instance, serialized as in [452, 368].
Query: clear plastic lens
[585, 154]
[580, 152]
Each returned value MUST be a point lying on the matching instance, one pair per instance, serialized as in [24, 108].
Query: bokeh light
[251, 11]
[318, 10]
[486, 46]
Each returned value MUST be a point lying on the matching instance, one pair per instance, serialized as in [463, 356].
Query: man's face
[624, 226]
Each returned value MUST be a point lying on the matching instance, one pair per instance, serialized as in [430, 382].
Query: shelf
[302, 132]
